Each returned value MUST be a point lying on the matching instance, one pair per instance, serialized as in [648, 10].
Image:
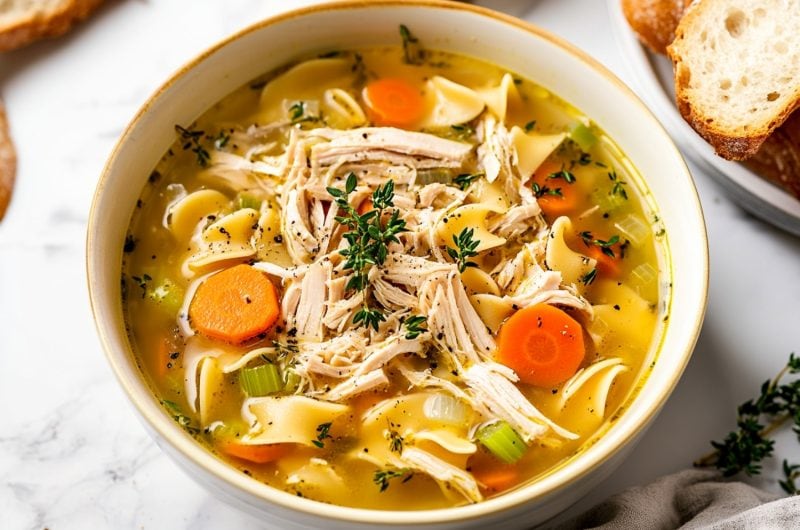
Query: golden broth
[626, 318]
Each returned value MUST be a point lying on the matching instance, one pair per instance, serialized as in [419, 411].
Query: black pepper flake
[130, 244]
[174, 355]
[154, 177]
[616, 306]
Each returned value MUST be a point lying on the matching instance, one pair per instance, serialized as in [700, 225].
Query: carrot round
[258, 454]
[542, 344]
[606, 265]
[563, 203]
[393, 102]
[498, 478]
[235, 305]
[365, 206]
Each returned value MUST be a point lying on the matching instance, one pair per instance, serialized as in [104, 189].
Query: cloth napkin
[692, 499]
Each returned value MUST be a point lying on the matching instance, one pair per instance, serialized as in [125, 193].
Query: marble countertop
[72, 454]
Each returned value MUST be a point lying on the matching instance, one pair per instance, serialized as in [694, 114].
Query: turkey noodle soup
[394, 278]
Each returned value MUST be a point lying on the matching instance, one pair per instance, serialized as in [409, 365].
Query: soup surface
[393, 278]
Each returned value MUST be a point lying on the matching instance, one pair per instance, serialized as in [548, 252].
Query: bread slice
[737, 70]
[8, 163]
[25, 21]
[654, 21]
[778, 159]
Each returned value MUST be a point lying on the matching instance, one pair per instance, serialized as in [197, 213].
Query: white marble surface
[72, 454]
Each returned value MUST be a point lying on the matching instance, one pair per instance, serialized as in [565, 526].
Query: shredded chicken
[443, 472]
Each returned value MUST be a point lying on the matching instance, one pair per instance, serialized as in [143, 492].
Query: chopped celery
[292, 381]
[643, 276]
[445, 409]
[633, 228]
[607, 201]
[583, 136]
[261, 380]
[245, 200]
[168, 295]
[502, 441]
[434, 176]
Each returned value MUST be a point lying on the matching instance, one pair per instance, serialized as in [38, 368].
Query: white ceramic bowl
[505, 41]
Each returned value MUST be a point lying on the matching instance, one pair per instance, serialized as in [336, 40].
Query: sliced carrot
[606, 265]
[235, 305]
[365, 206]
[258, 454]
[497, 478]
[542, 344]
[393, 102]
[562, 203]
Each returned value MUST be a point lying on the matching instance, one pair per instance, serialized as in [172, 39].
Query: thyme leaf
[322, 433]
[605, 246]
[414, 326]
[464, 180]
[192, 140]
[382, 477]
[412, 51]
[743, 449]
[618, 186]
[465, 249]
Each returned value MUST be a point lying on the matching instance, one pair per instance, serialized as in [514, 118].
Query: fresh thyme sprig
[565, 174]
[589, 277]
[465, 249]
[605, 246]
[744, 449]
[298, 113]
[368, 238]
[464, 180]
[618, 187]
[395, 440]
[412, 51]
[191, 140]
[322, 433]
[414, 326]
[383, 476]
[541, 191]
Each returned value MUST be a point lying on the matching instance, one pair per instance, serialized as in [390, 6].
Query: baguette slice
[737, 70]
[25, 21]
[8, 162]
[654, 21]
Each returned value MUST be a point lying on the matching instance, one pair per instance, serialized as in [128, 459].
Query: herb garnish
[222, 140]
[191, 140]
[618, 187]
[465, 249]
[297, 113]
[463, 131]
[541, 191]
[464, 180]
[568, 177]
[286, 348]
[177, 414]
[368, 239]
[414, 326]
[382, 477]
[412, 52]
[141, 281]
[395, 440]
[322, 434]
[605, 246]
[745, 448]
[589, 277]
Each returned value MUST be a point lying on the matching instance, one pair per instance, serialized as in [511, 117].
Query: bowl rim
[140, 395]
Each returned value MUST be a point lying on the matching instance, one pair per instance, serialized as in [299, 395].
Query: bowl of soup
[396, 263]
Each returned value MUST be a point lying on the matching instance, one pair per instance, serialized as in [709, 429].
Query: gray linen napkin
[692, 499]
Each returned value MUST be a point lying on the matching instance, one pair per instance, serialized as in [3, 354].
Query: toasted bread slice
[737, 70]
[778, 160]
[8, 163]
[25, 21]
[654, 21]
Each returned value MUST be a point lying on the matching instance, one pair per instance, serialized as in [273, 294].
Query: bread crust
[778, 159]
[37, 25]
[654, 21]
[729, 144]
[8, 162]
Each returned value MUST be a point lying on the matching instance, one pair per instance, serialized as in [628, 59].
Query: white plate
[653, 75]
